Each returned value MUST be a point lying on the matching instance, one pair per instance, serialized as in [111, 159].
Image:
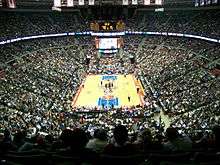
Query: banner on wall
[208, 2]
[11, 4]
[134, 2]
[202, 2]
[125, 2]
[57, 3]
[69, 3]
[214, 1]
[158, 2]
[91, 2]
[81, 2]
[146, 2]
[196, 3]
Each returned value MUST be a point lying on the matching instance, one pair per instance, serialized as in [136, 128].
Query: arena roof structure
[87, 3]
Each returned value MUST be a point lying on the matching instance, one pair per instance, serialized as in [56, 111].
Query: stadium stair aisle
[164, 118]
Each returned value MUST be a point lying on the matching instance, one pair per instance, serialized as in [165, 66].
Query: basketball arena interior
[103, 82]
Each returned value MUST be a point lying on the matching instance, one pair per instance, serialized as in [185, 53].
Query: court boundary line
[76, 96]
[140, 96]
[136, 83]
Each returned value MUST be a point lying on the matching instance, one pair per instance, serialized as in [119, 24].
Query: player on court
[129, 98]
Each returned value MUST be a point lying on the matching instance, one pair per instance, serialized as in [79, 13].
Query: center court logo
[108, 101]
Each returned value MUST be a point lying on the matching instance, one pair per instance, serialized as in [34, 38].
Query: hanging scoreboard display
[107, 26]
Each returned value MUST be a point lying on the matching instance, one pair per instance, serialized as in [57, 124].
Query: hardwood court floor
[89, 93]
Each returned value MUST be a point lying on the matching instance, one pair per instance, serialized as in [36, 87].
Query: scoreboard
[108, 45]
[107, 26]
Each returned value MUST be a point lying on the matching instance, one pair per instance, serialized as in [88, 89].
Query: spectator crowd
[39, 79]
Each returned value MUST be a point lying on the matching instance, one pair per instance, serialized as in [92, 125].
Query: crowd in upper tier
[205, 23]
[39, 79]
[27, 24]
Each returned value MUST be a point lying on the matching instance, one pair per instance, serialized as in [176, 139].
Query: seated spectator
[120, 145]
[6, 142]
[75, 142]
[176, 142]
[99, 141]
[19, 139]
[78, 141]
[144, 139]
[35, 143]
[146, 142]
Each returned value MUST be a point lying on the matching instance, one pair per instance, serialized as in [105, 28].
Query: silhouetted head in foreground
[100, 134]
[172, 133]
[76, 139]
[120, 134]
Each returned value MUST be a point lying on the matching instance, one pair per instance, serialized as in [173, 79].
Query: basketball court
[107, 91]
